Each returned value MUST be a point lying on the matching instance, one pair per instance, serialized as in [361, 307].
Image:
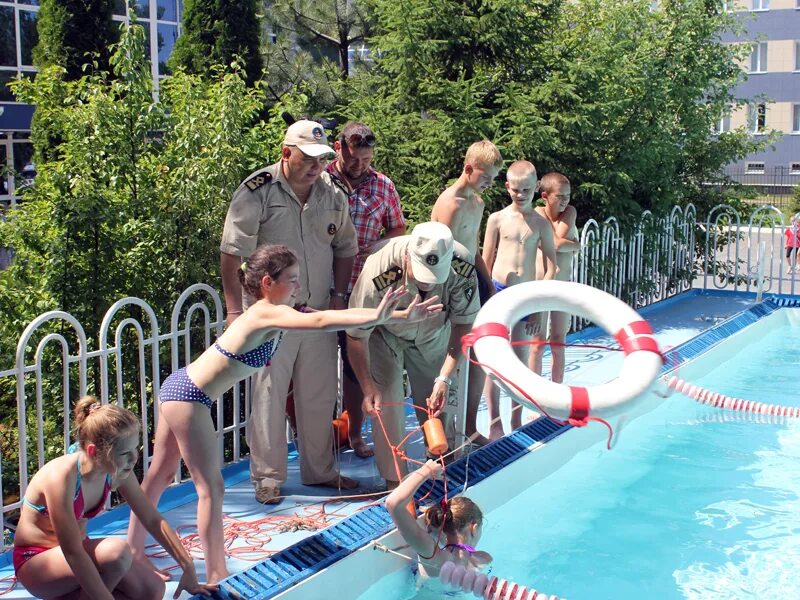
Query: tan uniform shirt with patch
[384, 269]
[265, 210]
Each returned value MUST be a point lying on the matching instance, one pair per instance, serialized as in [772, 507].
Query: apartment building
[773, 67]
[162, 22]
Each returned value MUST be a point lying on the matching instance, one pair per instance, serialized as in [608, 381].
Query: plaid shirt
[374, 207]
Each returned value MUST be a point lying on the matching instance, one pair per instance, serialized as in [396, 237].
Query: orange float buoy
[341, 426]
[434, 436]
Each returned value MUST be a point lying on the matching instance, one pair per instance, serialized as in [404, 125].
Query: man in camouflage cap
[429, 262]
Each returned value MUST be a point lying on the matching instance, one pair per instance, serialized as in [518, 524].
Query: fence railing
[659, 258]
[774, 185]
[118, 360]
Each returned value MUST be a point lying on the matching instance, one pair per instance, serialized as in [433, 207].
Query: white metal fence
[124, 366]
[662, 257]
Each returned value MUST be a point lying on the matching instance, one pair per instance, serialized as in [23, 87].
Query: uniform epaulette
[462, 267]
[387, 278]
[255, 182]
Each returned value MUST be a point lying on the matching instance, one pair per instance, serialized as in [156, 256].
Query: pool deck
[674, 321]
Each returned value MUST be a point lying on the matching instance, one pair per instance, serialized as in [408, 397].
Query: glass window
[794, 168]
[797, 56]
[796, 118]
[120, 8]
[167, 34]
[755, 168]
[3, 168]
[758, 58]
[167, 10]
[28, 36]
[757, 117]
[23, 164]
[142, 8]
[724, 124]
[5, 92]
[760, 4]
[29, 2]
[8, 37]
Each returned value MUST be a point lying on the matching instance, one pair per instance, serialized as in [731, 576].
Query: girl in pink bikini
[53, 557]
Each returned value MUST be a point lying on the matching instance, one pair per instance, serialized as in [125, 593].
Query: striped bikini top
[78, 505]
[257, 357]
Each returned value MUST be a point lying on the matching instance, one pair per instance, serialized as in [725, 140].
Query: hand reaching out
[419, 311]
[389, 303]
[189, 583]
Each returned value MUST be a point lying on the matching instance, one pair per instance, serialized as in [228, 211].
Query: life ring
[491, 339]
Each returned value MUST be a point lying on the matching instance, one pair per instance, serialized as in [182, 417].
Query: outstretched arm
[284, 317]
[158, 527]
[413, 533]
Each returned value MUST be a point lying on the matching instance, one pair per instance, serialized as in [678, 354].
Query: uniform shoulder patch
[462, 267]
[387, 278]
[257, 181]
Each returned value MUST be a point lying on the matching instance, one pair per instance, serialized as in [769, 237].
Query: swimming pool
[692, 503]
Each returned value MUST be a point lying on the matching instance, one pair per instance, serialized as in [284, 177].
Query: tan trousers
[310, 358]
[388, 357]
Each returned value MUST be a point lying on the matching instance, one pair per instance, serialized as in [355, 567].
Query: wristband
[342, 295]
[444, 379]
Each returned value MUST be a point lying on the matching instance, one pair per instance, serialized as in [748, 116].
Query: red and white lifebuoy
[491, 339]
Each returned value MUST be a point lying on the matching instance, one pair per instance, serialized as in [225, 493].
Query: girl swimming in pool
[453, 528]
[53, 557]
[185, 430]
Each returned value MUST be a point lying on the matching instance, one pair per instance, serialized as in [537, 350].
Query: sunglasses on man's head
[356, 140]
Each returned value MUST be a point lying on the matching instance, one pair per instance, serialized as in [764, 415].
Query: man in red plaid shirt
[376, 214]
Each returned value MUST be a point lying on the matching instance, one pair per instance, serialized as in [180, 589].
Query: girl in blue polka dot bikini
[185, 429]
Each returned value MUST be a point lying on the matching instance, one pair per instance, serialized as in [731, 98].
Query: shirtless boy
[460, 207]
[513, 237]
[556, 192]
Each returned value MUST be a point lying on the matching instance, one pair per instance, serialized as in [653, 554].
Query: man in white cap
[296, 203]
[429, 262]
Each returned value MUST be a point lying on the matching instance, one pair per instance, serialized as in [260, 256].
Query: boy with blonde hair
[460, 207]
[556, 193]
[510, 246]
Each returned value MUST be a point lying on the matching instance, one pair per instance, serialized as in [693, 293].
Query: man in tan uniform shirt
[294, 202]
[428, 262]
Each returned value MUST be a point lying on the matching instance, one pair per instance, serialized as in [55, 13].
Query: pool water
[693, 502]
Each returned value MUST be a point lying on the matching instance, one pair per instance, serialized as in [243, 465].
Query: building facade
[162, 22]
[773, 67]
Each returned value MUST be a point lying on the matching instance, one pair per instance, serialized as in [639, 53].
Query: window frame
[757, 112]
[751, 167]
[761, 59]
[759, 5]
[795, 118]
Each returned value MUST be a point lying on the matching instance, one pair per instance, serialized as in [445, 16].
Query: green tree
[131, 204]
[618, 96]
[73, 33]
[308, 47]
[219, 32]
